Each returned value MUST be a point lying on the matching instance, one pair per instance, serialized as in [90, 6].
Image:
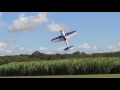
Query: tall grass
[62, 67]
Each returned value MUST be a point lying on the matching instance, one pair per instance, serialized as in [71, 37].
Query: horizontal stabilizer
[68, 48]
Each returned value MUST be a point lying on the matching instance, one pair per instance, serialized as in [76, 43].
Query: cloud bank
[55, 27]
[85, 47]
[27, 23]
[1, 13]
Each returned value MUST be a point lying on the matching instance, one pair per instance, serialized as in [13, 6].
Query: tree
[76, 53]
[37, 54]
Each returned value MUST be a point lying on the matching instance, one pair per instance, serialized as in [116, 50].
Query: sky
[26, 32]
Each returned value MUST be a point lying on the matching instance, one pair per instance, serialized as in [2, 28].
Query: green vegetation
[37, 56]
[78, 66]
[69, 76]
[77, 63]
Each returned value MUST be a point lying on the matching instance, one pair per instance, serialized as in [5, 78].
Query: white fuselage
[63, 34]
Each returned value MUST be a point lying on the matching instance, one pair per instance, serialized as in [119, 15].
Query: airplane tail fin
[68, 48]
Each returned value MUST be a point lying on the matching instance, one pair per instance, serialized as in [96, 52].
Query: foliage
[78, 66]
[38, 56]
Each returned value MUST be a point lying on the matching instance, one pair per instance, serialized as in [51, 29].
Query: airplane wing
[57, 39]
[70, 34]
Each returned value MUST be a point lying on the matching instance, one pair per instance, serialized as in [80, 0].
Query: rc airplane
[64, 37]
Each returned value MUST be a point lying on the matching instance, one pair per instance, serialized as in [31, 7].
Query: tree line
[36, 56]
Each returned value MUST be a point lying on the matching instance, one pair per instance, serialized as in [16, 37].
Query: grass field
[69, 76]
[78, 66]
[108, 67]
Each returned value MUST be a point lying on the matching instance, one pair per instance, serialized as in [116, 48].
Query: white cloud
[59, 49]
[110, 47]
[84, 46]
[21, 48]
[31, 50]
[118, 45]
[2, 46]
[54, 27]
[42, 48]
[26, 23]
[1, 13]
[62, 51]
[17, 48]
[8, 51]
[95, 47]
[7, 40]
[14, 50]
[2, 22]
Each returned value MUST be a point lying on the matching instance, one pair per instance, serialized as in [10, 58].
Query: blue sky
[26, 32]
